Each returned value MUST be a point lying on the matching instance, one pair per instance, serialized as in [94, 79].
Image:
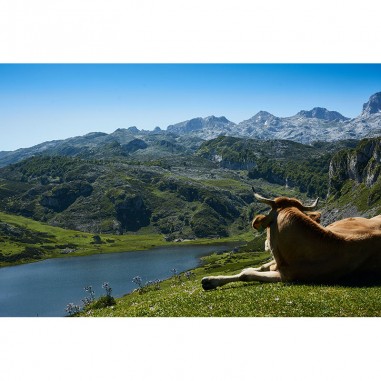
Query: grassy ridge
[185, 298]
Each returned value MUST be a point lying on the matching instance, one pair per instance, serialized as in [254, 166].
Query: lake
[45, 288]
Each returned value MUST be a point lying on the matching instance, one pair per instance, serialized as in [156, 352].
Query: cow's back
[307, 251]
[356, 226]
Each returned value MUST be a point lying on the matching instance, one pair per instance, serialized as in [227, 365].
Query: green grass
[186, 298]
[360, 196]
[228, 184]
[84, 240]
[56, 239]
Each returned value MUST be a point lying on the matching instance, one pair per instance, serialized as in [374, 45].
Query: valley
[177, 197]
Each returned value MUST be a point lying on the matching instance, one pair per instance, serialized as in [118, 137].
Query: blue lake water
[45, 288]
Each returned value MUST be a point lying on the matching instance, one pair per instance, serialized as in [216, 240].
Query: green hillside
[283, 162]
[179, 198]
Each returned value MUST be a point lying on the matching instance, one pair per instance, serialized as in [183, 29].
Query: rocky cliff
[361, 164]
[354, 184]
[373, 106]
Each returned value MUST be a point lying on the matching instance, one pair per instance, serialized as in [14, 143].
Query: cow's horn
[311, 207]
[263, 199]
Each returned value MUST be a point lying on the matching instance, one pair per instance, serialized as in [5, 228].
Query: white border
[191, 31]
[47, 31]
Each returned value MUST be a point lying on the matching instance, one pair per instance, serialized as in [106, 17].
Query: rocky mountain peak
[262, 116]
[373, 106]
[321, 113]
[122, 131]
[133, 129]
[214, 119]
[199, 124]
[95, 134]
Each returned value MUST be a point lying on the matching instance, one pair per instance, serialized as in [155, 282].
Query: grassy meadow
[183, 296]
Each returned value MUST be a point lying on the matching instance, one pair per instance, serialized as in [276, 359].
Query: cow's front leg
[247, 275]
[267, 266]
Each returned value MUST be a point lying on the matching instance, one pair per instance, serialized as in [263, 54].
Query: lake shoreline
[99, 249]
[46, 242]
[44, 288]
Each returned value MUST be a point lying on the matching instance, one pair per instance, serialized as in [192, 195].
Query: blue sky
[47, 102]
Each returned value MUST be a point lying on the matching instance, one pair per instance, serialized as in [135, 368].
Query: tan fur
[356, 225]
[305, 251]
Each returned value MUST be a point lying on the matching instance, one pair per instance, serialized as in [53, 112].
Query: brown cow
[315, 216]
[305, 251]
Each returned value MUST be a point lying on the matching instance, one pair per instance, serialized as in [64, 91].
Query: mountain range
[318, 124]
[307, 127]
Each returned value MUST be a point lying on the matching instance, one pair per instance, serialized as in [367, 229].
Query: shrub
[104, 301]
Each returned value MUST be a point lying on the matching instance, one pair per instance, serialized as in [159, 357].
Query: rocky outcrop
[134, 145]
[132, 213]
[62, 196]
[362, 165]
[373, 106]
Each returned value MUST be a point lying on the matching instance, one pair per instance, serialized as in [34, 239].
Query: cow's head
[261, 221]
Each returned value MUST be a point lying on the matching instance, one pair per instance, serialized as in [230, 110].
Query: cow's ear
[316, 216]
[261, 222]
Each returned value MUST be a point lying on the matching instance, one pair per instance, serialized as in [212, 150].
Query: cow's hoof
[208, 284]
